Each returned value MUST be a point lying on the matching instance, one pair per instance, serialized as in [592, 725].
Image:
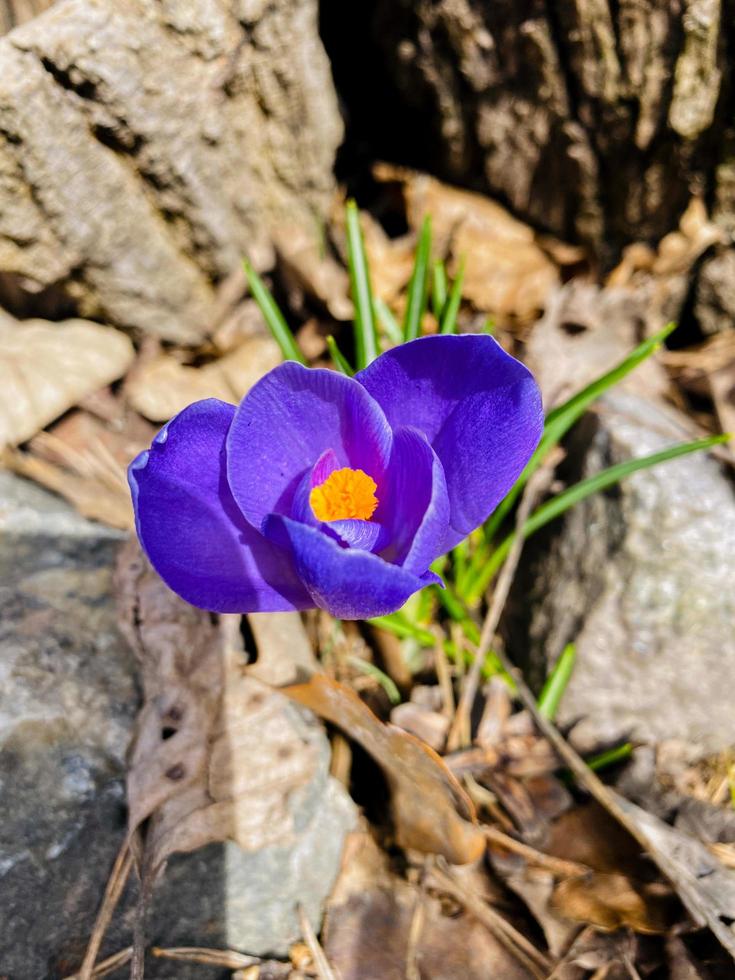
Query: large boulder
[640, 578]
[68, 700]
[145, 148]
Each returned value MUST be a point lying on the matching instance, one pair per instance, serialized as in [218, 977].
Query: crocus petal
[348, 583]
[192, 530]
[479, 408]
[416, 508]
[286, 422]
[366, 535]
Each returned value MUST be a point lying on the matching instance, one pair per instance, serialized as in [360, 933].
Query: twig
[581, 936]
[536, 962]
[321, 963]
[109, 965]
[459, 733]
[625, 812]
[114, 889]
[228, 959]
[557, 866]
[147, 876]
[418, 921]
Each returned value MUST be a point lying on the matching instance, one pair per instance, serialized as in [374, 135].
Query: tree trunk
[592, 119]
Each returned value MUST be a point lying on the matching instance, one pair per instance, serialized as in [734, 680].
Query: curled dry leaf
[163, 386]
[371, 927]
[676, 253]
[46, 368]
[431, 812]
[391, 259]
[613, 901]
[217, 754]
[84, 460]
[309, 268]
[506, 272]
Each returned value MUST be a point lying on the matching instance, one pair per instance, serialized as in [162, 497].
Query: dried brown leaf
[84, 460]
[46, 368]
[161, 387]
[285, 654]
[430, 726]
[430, 810]
[368, 923]
[91, 497]
[217, 754]
[391, 259]
[613, 901]
[506, 272]
[676, 253]
[305, 262]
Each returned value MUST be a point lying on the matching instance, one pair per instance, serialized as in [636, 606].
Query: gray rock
[642, 579]
[146, 147]
[68, 698]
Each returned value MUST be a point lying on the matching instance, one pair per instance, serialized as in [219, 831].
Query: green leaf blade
[366, 338]
[340, 361]
[448, 323]
[556, 506]
[557, 682]
[439, 288]
[273, 317]
[417, 290]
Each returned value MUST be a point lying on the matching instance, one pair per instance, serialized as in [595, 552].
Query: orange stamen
[344, 495]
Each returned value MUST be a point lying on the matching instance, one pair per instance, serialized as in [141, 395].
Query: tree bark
[595, 120]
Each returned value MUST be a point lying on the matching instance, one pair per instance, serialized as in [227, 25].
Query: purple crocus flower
[323, 490]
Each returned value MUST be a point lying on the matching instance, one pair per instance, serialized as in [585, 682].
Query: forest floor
[486, 842]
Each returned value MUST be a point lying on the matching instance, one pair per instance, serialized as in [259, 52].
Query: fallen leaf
[284, 652]
[587, 834]
[85, 459]
[391, 260]
[160, 388]
[676, 253]
[310, 268]
[430, 726]
[217, 754]
[369, 921]
[704, 885]
[613, 901]
[506, 272]
[46, 368]
[431, 812]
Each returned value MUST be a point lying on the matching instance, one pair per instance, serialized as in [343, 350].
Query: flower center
[344, 495]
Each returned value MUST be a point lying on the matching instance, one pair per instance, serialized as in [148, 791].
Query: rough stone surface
[640, 578]
[145, 147]
[68, 697]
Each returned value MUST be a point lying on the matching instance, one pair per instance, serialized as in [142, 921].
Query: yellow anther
[345, 494]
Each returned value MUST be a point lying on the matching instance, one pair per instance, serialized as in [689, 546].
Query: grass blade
[561, 419]
[556, 683]
[386, 682]
[366, 338]
[340, 361]
[556, 506]
[448, 322]
[273, 317]
[439, 288]
[401, 627]
[387, 321]
[417, 291]
[610, 757]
